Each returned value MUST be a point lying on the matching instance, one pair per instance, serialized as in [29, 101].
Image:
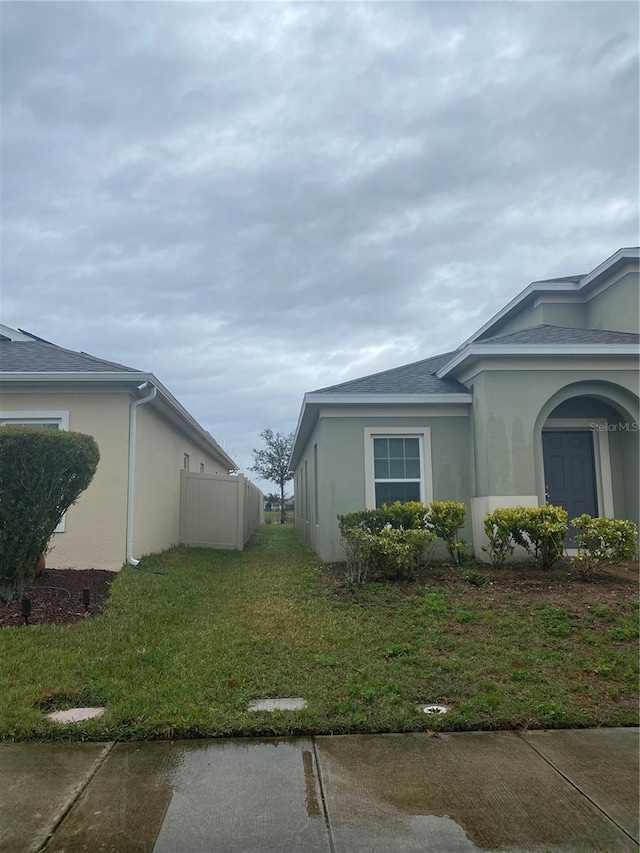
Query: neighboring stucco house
[539, 405]
[132, 506]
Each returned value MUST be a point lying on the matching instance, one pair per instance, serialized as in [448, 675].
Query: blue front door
[569, 470]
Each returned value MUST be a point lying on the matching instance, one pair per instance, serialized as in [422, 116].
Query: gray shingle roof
[545, 334]
[416, 378]
[420, 378]
[41, 357]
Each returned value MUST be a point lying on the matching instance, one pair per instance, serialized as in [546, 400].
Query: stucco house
[539, 405]
[145, 437]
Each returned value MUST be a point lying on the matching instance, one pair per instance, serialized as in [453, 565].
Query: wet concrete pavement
[559, 791]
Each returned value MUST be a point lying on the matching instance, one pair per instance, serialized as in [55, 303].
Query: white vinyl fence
[218, 510]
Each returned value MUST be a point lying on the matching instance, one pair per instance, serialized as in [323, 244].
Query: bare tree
[272, 462]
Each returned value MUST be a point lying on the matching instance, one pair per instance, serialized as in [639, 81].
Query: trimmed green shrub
[370, 520]
[411, 515]
[499, 527]
[603, 542]
[42, 472]
[445, 519]
[397, 552]
[542, 532]
[388, 542]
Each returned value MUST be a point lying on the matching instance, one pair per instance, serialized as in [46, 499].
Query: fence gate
[218, 510]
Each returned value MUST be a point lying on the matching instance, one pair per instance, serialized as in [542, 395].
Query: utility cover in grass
[297, 704]
[75, 715]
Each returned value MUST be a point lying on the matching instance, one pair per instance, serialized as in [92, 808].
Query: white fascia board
[313, 400]
[130, 380]
[631, 254]
[477, 350]
[296, 434]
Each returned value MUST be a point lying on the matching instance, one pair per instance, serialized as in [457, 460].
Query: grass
[272, 516]
[181, 653]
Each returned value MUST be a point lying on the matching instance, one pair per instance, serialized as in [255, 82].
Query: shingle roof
[546, 334]
[41, 357]
[416, 378]
[419, 377]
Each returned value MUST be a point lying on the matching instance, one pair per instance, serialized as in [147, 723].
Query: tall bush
[499, 528]
[540, 530]
[388, 542]
[446, 518]
[42, 472]
[603, 542]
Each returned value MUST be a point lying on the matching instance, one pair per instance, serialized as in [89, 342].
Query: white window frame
[423, 434]
[186, 461]
[29, 418]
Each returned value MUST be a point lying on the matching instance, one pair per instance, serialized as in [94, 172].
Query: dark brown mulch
[56, 597]
[559, 584]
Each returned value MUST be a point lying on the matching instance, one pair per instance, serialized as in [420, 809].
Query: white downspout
[132, 466]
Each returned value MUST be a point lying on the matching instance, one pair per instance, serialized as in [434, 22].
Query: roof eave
[313, 400]
[469, 353]
[124, 376]
[130, 380]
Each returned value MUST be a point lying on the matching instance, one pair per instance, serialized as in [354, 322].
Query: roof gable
[576, 288]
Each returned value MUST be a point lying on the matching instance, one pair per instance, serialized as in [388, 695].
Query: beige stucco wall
[160, 449]
[94, 536]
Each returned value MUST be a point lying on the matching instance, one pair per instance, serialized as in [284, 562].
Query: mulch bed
[558, 585]
[56, 597]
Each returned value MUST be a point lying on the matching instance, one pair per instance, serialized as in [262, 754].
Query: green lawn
[272, 516]
[181, 653]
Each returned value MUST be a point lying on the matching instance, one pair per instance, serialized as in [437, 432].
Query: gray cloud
[254, 200]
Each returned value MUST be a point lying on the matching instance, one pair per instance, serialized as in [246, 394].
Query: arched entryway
[587, 451]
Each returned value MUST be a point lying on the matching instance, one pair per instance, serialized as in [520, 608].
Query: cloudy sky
[256, 200]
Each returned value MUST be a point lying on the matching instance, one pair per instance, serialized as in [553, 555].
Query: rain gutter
[133, 420]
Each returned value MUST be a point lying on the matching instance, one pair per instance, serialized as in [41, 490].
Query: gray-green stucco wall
[618, 307]
[510, 409]
[340, 446]
[550, 313]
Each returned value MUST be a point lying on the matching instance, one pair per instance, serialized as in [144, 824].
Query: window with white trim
[397, 465]
[46, 420]
[397, 469]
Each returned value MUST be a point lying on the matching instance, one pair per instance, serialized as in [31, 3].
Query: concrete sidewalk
[560, 791]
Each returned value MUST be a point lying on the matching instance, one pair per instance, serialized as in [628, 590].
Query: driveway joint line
[579, 790]
[325, 808]
[76, 795]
